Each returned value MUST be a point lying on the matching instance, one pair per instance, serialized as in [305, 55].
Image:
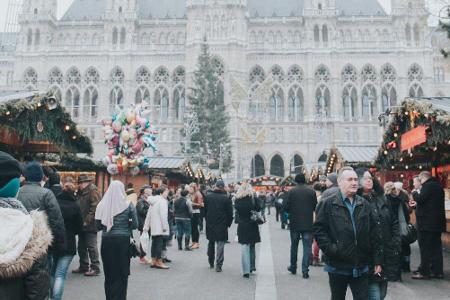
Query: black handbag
[133, 249]
[411, 234]
[256, 216]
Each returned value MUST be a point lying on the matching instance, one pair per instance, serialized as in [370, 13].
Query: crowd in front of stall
[362, 229]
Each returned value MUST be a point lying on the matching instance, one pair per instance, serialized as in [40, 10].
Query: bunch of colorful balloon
[128, 133]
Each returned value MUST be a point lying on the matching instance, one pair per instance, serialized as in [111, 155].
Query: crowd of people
[359, 230]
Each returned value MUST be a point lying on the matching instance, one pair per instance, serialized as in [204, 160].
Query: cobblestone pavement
[191, 278]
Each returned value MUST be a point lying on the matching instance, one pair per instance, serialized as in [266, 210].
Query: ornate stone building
[335, 65]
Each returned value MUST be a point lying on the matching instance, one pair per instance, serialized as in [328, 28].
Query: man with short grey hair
[430, 216]
[346, 232]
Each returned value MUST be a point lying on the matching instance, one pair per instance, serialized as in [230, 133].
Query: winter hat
[53, 179]
[9, 168]
[332, 177]
[33, 172]
[300, 178]
[220, 184]
[398, 185]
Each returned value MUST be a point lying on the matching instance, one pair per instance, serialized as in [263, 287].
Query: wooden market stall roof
[418, 134]
[36, 122]
[352, 155]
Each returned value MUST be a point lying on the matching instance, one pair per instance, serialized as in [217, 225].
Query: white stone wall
[239, 43]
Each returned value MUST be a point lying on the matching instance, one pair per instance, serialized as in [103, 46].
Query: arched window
[388, 96]
[295, 104]
[73, 76]
[55, 77]
[115, 36]
[254, 104]
[256, 74]
[388, 73]
[415, 73]
[276, 104]
[296, 164]
[415, 90]
[29, 37]
[142, 95]
[161, 76]
[117, 77]
[123, 34]
[30, 78]
[350, 102]
[90, 103]
[322, 74]
[161, 103]
[115, 99]
[277, 166]
[368, 74]
[257, 166]
[323, 101]
[91, 76]
[295, 74]
[277, 73]
[179, 75]
[369, 102]
[143, 76]
[37, 37]
[316, 35]
[325, 34]
[179, 103]
[72, 101]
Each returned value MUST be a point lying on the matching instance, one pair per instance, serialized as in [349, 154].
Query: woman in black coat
[388, 231]
[248, 231]
[73, 222]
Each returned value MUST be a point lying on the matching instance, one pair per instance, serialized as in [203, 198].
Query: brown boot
[153, 262]
[161, 265]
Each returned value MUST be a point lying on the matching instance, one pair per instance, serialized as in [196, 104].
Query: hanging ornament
[40, 126]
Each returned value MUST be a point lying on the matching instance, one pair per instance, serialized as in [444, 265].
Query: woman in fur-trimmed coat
[25, 238]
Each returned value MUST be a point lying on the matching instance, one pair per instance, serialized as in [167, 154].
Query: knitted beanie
[9, 168]
[33, 172]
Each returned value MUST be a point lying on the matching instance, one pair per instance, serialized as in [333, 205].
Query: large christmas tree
[206, 99]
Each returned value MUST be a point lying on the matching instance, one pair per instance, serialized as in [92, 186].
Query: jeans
[59, 271]
[377, 290]
[219, 256]
[248, 257]
[339, 283]
[306, 237]
[183, 227]
[157, 246]
[87, 249]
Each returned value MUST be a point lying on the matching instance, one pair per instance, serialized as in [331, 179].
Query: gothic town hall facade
[335, 64]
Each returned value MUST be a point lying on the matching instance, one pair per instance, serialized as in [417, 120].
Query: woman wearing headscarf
[116, 218]
[248, 231]
[370, 189]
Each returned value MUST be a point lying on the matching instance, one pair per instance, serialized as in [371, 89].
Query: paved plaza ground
[191, 278]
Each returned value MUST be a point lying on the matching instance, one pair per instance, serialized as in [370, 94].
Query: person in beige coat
[157, 222]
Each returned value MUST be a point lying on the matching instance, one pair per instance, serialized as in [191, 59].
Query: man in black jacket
[219, 216]
[430, 214]
[347, 233]
[300, 203]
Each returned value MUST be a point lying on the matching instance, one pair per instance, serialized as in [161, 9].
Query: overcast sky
[63, 5]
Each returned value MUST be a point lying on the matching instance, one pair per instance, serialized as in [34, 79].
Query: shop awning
[358, 154]
[167, 162]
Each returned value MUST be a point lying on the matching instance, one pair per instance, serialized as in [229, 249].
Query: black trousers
[116, 265]
[157, 246]
[194, 226]
[431, 259]
[339, 283]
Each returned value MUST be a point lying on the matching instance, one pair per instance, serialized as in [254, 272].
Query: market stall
[417, 138]
[266, 183]
[351, 155]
